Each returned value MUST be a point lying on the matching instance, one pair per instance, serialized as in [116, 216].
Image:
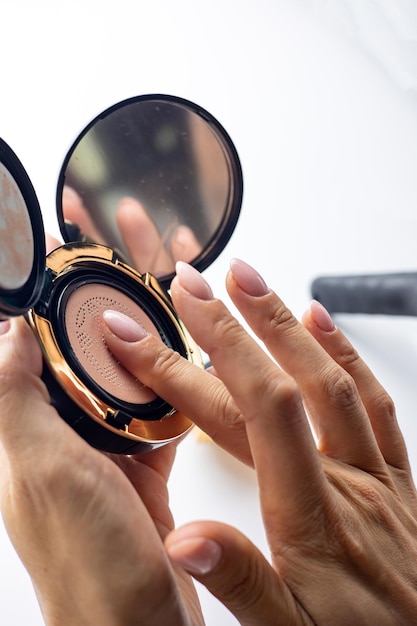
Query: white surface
[320, 99]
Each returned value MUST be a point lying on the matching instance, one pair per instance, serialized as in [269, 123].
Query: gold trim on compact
[152, 180]
[61, 264]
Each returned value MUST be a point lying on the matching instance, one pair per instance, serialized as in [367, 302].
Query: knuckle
[341, 389]
[272, 318]
[227, 328]
[285, 395]
[225, 405]
[384, 405]
[228, 417]
[348, 357]
[282, 319]
[289, 392]
[164, 359]
[277, 393]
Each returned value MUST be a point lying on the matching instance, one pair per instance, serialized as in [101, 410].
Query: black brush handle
[384, 294]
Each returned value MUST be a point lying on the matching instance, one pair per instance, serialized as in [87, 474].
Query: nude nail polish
[192, 281]
[321, 317]
[248, 279]
[123, 326]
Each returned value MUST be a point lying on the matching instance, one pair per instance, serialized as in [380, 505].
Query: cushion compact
[152, 180]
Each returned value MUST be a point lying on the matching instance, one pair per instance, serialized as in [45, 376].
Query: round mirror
[157, 179]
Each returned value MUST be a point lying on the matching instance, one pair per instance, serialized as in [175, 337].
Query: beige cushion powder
[84, 326]
[16, 236]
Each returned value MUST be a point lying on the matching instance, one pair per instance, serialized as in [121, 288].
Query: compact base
[93, 432]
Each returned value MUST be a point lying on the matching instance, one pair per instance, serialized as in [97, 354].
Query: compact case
[155, 166]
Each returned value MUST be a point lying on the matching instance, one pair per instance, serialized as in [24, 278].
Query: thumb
[233, 570]
[28, 423]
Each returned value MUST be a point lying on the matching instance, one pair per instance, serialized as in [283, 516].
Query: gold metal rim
[64, 260]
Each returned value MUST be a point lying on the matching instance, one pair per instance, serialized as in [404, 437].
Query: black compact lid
[176, 161]
[22, 237]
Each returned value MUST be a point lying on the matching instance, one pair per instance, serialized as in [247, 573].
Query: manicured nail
[321, 317]
[4, 326]
[123, 326]
[131, 205]
[248, 279]
[197, 555]
[181, 238]
[192, 281]
[68, 193]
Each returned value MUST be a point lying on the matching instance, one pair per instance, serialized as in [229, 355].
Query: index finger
[194, 392]
[289, 471]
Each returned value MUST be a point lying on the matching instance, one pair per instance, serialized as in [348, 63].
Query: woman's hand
[147, 248]
[339, 512]
[89, 527]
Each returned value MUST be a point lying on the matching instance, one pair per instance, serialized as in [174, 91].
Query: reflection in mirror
[152, 179]
[16, 236]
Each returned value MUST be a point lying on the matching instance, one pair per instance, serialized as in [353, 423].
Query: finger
[51, 243]
[142, 239]
[280, 438]
[332, 399]
[279, 434]
[234, 571]
[74, 211]
[184, 245]
[193, 391]
[377, 402]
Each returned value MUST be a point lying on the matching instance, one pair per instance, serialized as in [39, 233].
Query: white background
[320, 99]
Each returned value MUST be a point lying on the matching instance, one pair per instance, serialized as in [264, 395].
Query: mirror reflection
[153, 180]
[16, 236]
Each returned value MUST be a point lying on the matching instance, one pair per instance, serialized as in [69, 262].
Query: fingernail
[69, 193]
[248, 279]
[192, 281]
[321, 317]
[131, 204]
[197, 555]
[181, 236]
[4, 326]
[123, 326]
